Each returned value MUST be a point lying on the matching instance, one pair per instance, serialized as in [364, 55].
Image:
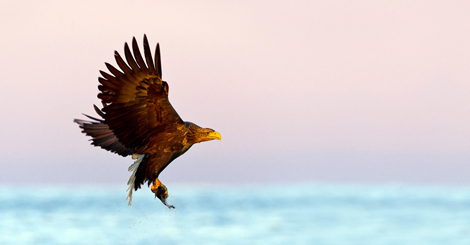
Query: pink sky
[300, 91]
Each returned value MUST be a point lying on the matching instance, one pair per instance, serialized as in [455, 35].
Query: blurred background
[304, 93]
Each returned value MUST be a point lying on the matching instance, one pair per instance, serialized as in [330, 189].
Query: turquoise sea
[208, 214]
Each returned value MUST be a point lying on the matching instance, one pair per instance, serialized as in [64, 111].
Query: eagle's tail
[101, 135]
[139, 158]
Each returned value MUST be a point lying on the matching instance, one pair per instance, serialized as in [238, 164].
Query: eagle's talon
[161, 192]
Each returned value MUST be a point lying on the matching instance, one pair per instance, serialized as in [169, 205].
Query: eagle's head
[206, 134]
[197, 134]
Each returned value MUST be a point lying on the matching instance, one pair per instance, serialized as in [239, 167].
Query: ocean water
[205, 214]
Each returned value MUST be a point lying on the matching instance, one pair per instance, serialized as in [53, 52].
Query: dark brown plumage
[138, 119]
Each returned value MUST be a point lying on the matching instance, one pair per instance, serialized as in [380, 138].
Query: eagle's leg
[161, 192]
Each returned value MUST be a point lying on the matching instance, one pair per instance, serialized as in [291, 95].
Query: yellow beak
[214, 135]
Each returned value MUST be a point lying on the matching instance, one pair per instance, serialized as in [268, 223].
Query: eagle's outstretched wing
[135, 99]
[101, 135]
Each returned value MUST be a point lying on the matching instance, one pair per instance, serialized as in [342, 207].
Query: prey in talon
[137, 118]
[161, 192]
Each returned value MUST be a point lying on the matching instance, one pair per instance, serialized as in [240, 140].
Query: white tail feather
[133, 168]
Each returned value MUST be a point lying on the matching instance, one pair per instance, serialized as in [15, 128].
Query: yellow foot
[161, 192]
